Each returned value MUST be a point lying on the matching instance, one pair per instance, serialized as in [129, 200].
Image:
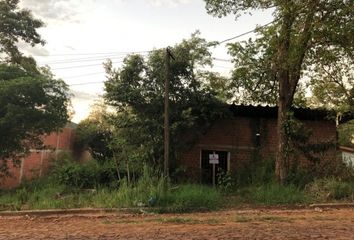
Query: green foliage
[87, 175]
[95, 133]
[149, 185]
[258, 171]
[323, 48]
[137, 92]
[330, 189]
[253, 81]
[189, 197]
[225, 181]
[30, 105]
[272, 194]
[332, 84]
[150, 190]
[15, 25]
[32, 102]
[346, 134]
[301, 38]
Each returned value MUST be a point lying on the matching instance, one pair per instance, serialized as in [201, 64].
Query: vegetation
[275, 194]
[302, 41]
[95, 133]
[303, 34]
[32, 101]
[93, 185]
[136, 92]
[74, 185]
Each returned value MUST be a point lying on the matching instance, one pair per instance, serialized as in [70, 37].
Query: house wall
[37, 163]
[238, 136]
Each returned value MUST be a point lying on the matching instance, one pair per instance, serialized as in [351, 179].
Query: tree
[301, 33]
[32, 102]
[95, 133]
[30, 105]
[137, 92]
[15, 25]
[333, 85]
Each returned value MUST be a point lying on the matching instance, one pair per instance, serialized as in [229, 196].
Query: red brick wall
[237, 136]
[37, 162]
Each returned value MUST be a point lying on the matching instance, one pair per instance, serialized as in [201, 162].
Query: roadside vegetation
[73, 185]
[125, 132]
[97, 185]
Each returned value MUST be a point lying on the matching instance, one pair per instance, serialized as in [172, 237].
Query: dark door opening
[207, 167]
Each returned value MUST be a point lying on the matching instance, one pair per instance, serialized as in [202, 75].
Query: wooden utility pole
[166, 115]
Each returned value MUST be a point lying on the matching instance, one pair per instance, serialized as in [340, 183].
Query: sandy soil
[229, 224]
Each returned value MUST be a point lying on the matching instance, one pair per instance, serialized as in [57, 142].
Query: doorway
[207, 166]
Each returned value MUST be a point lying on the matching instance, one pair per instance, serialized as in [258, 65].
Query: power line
[223, 60]
[243, 34]
[101, 53]
[64, 61]
[83, 66]
[86, 83]
[87, 59]
[101, 56]
[83, 75]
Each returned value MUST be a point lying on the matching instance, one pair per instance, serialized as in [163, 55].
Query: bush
[330, 189]
[257, 171]
[87, 175]
[273, 193]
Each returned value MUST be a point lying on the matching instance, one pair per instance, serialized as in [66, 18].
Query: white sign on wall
[214, 158]
[348, 158]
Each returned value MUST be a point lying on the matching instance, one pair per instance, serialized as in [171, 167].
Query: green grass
[330, 189]
[47, 194]
[274, 194]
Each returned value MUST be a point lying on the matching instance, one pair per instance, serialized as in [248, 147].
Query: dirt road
[230, 224]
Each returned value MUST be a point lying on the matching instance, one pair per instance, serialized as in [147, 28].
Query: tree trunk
[281, 163]
[117, 167]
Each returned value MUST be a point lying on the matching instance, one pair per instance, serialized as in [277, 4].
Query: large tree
[299, 36]
[17, 25]
[137, 92]
[32, 102]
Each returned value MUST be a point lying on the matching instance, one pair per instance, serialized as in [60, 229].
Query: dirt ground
[229, 224]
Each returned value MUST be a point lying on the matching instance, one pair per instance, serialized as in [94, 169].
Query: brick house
[250, 130]
[37, 163]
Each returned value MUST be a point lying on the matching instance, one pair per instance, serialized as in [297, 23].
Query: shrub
[257, 171]
[273, 193]
[329, 189]
[225, 182]
[87, 175]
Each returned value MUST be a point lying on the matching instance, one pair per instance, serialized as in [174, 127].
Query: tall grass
[273, 193]
[151, 190]
[330, 189]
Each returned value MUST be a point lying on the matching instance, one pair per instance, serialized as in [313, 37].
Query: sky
[81, 34]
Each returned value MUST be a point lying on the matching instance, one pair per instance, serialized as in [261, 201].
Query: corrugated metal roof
[272, 112]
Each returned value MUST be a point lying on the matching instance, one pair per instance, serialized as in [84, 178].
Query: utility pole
[166, 111]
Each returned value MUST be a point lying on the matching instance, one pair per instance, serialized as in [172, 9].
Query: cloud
[37, 50]
[80, 95]
[54, 10]
[171, 3]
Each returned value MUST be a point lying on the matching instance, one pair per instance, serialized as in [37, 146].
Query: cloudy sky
[81, 34]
